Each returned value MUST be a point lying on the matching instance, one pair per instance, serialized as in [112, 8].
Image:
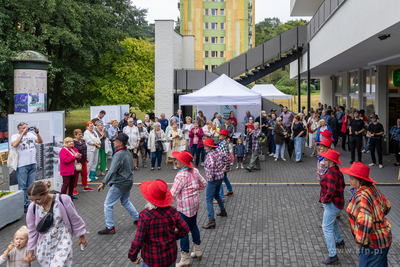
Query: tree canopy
[73, 34]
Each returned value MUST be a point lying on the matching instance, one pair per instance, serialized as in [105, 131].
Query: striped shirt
[186, 190]
[367, 211]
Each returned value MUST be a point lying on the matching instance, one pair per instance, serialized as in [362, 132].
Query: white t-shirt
[26, 149]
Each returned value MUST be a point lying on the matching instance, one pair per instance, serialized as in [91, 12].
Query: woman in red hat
[223, 146]
[367, 212]
[196, 142]
[187, 187]
[331, 196]
[159, 226]
[214, 165]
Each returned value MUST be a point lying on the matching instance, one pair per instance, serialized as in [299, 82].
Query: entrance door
[394, 114]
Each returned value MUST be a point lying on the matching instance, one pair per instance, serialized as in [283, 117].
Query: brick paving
[266, 225]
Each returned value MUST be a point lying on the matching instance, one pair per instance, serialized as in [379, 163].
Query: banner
[30, 91]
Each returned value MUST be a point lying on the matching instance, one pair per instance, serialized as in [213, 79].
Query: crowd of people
[52, 218]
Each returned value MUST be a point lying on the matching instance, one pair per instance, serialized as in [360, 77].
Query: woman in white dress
[186, 130]
[175, 138]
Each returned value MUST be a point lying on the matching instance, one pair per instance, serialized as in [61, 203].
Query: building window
[222, 12]
[214, 0]
[214, 12]
[206, 40]
[221, 40]
[222, 26]
[206, 25]
[221, 54]
[213, 67]
[206, 67]
[206, 11]
[214, 54]
[214, 40]
[205, 53]
[214, 26]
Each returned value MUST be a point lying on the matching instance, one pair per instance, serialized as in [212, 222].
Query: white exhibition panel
[52, 130]
[112, 112]
[208, 111]
[269, 91]
[254, 110]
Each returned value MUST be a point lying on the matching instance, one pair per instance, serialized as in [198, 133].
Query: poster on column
[51, 126]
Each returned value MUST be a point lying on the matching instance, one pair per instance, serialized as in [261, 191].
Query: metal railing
[327, 8]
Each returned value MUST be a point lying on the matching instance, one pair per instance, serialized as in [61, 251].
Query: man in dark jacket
[334, 124]
[120, 179]
[123, 122]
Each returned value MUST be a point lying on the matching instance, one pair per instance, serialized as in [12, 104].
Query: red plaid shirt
[156, 236]
[214, 163]
[332, 187]
[367, 211]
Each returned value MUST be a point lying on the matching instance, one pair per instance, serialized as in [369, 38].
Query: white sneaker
[368, 151]
[380, 166]
[272, 154]
[276, 159]
[363, 151]
[371, 164]
[97, 178]
[202, 164]
[283, 159]
[231, 164]
[88, 179]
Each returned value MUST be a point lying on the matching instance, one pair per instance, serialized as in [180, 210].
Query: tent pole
[179, 117]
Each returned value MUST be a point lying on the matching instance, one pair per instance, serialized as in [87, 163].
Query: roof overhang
[304, 7]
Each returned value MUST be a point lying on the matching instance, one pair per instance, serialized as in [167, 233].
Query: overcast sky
[168, 9]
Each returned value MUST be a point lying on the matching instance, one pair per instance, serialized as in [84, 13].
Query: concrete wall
[327, 91]
[172, 51]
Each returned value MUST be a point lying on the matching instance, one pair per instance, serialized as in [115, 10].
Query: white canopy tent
[222, 91]
[269, 91]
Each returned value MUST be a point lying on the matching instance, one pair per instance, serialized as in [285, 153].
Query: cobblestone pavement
[267, 225]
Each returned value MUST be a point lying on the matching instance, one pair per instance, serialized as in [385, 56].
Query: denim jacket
[240, 150]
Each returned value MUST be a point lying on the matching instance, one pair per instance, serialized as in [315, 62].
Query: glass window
[214, 53]
[213, 67]
[353, 82]
[205, 53]
[206, 11]
[339, 84]
[214, 12]
[214, 40]
[221, 54]
[222, 12]
[214, 0]
[221, 40]
[214, 26]
[206, 25]
[206, 67]
[222, 26]
[206, 40]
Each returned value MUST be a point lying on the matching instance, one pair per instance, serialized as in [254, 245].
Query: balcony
[304, 7]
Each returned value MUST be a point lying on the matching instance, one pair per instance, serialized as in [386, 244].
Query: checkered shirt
[156, 236]
[255, 145]
[332, 187]
[224, 148]
[214, 163]
[186, 190]
[367, 211]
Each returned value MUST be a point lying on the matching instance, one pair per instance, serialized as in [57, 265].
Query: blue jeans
[298, 142]
[228, 186]
[113, 148]
[192, 223]
[273, 146]
[212, 191]
[331, 228]
[203, 155]
[145, 265]
[156, 155]
[369, 257]
[26, 177]
[114, 194]
[367, 146]
[198, 151]
[281, 149]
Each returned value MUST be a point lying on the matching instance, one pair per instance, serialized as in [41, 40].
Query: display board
[52, 131]
[112, 112]
[30, 90]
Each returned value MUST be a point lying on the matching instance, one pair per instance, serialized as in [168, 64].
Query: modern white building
[355, 52]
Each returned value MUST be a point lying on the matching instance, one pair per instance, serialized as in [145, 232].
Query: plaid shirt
[186, 190]
[332, 187]
[255, 145]
[367, 211]
[214, 163]
[156, 236]
[320, 168]
[223, 147]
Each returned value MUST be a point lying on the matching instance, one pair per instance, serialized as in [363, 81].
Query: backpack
[262, 140]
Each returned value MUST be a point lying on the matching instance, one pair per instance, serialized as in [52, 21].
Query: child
[16, 253]
[239, 152]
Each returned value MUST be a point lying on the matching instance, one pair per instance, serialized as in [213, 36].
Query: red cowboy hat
[359, 170]
[327, 134]
[209, 142]
[224, 132]
[331, 154]
[157, 193]
[184, 157]
[325, 142]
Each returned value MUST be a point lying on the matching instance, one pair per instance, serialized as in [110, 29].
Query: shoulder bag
[78, 165]
[46, 222]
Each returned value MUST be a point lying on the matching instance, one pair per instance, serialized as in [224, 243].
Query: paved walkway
[267, 225]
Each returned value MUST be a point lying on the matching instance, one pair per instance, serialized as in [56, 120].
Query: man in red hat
[160, 225]
[367, 210]
[187, 187]
[214, 165]
[332, 187]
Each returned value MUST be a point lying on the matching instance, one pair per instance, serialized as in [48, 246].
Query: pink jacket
[67, 162]
[71, 219]
[199, 134]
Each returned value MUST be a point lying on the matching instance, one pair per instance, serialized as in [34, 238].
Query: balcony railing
[327, 8]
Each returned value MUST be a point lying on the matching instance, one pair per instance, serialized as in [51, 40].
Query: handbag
[46, 222]
[78, 165]
[12, 161]
[107, 146]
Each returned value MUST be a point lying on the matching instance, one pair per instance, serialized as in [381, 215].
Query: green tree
[73, 34]
[127, 76]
